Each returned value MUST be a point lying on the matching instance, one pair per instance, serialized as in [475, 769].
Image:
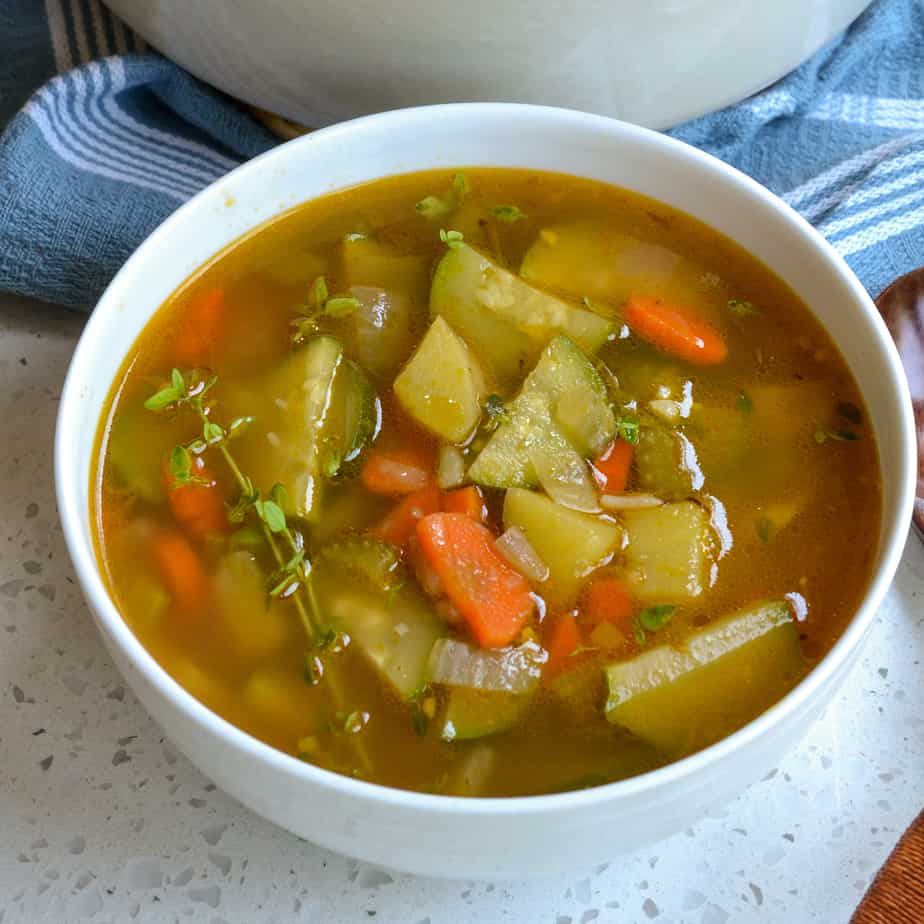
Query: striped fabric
[116, 137]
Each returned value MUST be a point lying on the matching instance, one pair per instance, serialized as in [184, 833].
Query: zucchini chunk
[681, 700]
[505, 319]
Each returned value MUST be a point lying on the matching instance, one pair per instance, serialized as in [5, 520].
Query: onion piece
[510, 670]
[516, 548]
[629, 501]
[450, 471]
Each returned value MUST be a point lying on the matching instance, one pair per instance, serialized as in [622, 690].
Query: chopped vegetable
[504, 319]
[679, 700]
[571, 544]
[494, 598]
[450, 469]
[533, 432]
[201, 327]
[442, 385]
[181, 570]
[516, 548]
[368, 261]
[401, 470]
[393, 624]
[487, 690]
[742, 308]
[380, 333]
[469, 501]
[667, 553]
[196, 503]
[563, 641]
[675, 330]
[607, 599]
[660, 464]
[613, 466]
[508, 213]
[363, 559]
[400, 523]
[619, 502]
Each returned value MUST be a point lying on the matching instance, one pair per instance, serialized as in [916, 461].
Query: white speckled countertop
[101, 819]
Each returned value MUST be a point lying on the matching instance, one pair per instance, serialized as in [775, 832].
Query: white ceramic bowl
[448, 836]
[654, 62]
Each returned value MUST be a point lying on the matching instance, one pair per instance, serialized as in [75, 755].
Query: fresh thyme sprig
[293, 573]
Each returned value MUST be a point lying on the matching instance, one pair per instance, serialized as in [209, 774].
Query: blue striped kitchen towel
[117, 137]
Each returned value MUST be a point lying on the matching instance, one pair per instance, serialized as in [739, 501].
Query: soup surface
[486, 483]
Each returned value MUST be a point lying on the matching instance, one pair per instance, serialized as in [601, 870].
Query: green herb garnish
[355, 722]
[433, 207]
[765, 529]
[850, 412]
[451, 239]
[627, 426]
[742, 308]
[839, 434]
[341, 305]
[743, 403]
[508, 213]
[652, 619]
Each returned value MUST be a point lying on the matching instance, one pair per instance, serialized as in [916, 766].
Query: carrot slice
[492, 597]
[469, 501]
[401, 470]
[400, 522]
[607, 600]
[675, 330]
[613, 466]
[181, 570]
[564, 638]
[199, 508]
[201, 327]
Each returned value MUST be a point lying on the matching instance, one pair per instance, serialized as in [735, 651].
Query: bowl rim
[83, 556]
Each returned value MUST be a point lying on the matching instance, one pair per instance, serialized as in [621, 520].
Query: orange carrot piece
[401, 470]
[469, 501]
[198, 508]
[181, 570]
[492, 597]
[400, 522]
[675, 330]
[200, 329]
[607, 600]
[564, 638]
[613, 466]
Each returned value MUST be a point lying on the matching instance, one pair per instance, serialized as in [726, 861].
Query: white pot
[438, 835]
[653, 62]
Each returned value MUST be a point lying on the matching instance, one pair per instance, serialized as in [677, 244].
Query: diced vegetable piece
[181, 571]
[572, 544]
[450, 469]
[533, 431]
[201, 328]
[511, 670]
[380, 333]
[393, 624]
[684, 699]
[369, 561]
[469, 501]
[667, 551]
[585, 416]
[314, 411]
[613, 466]
[505, 320]
[676, 330]
[398, 470]
[493, 598]
[563, 473]
[608, 637]
[197, 506]
[347, 509]
[367, 261]
[400, 523]
[252, 625]
[564, 639]
[442, 385]
[607, 599]
[487, 690]
[470, 777]
[590, 258]
[660, 464]
[280, 697]
[516, 548]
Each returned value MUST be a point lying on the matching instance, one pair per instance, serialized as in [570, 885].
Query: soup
[486, 483]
